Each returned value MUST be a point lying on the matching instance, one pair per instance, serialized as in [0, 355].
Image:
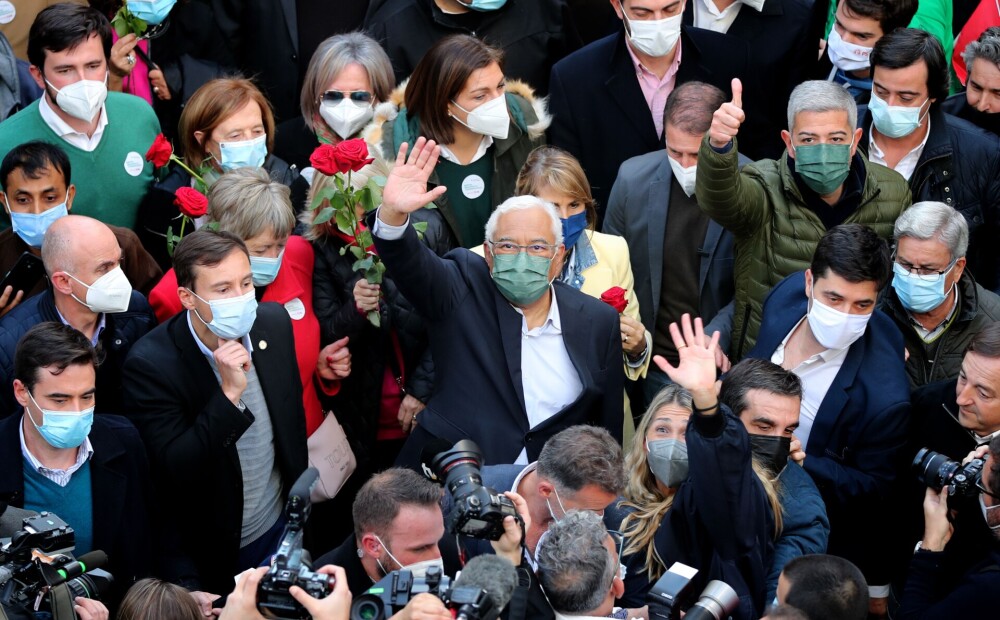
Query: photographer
[927, 594]
[242, 603]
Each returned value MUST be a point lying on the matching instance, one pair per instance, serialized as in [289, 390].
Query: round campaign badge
[473, 186]
[134, 163]
[7, 12]
[296, 309]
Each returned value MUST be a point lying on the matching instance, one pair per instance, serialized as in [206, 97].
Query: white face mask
[835, 329]
[419, 569]
[654, 37]
[986, 513]
[847, 56]
[112, 292]
[346, 117]
[83, 99]
[489, 119]
[685, 176]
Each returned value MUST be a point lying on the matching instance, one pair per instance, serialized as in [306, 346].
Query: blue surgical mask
[62, 429]
[894, 121]
[31, 227]
[153, 12]
[919, 294]
[265, 269]
[232, 317]
[243, 154]
[483, 5]
[573, 226]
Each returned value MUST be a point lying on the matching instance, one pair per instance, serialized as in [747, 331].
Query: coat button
[944, 172]
[118, 341]
[947, 189]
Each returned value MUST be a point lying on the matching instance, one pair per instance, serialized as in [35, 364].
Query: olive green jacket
[775, 232]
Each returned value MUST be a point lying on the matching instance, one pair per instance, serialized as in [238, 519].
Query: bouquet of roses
[192, 202]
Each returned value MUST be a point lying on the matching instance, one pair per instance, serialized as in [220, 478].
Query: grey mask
[668, 460]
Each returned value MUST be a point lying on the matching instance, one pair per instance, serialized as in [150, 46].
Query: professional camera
[38, 574]
[478, 511]
[937, 471]
[292, 564]
[668, 594]
[395, 590]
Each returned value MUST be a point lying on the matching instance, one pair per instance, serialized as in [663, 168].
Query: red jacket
[294, 282]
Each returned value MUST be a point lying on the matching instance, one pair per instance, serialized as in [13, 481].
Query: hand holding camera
[937, 528]
[511, 544]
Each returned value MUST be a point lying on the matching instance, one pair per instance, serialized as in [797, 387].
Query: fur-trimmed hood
[516, 90]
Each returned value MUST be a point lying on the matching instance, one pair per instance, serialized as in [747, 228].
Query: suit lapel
[291, 22]
[108, 493]
[749, 24]
[712, 236]
[510, 335]
[570, 314]
[836, 397]
[623, 87]
[657, 208]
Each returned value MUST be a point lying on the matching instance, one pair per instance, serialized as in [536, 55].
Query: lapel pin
[262, 345]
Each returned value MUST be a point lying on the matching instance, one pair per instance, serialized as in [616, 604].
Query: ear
[62, 282]
[199, 137]
[3, 201]
[36, 74]
[21, 393]
[70, 195]
[786, 137]
[809, 283]
[959, 268]
[370, 545]
[187, 299]
[617, 587]
[545, 488]
[857, 140]
[617, 6]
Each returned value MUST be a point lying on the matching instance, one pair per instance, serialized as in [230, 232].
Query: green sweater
[105, 186]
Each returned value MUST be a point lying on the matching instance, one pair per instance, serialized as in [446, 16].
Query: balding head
[71, 238]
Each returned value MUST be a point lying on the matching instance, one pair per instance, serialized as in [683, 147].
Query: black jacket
[120, 495]
[926, 599]
[600, 115]
[158, 212]
[333, 298]
[121, 332]
[960, 166]
[958, 105]
[533, 34]
[190, 429]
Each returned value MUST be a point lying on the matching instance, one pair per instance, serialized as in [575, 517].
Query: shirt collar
[484, 146]
[877, 152]
[826, 354]
[205, 350]
[83, 454]
[61, 127]
[982, 441]
[640, 68]
[101, 324]
[552, 318]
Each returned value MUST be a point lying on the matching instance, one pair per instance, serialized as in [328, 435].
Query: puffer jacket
[942, 359]
[775, 232]
[529, 120]
[960, 166]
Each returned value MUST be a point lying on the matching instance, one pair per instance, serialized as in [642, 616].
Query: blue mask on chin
[573, 226]
[483, 5]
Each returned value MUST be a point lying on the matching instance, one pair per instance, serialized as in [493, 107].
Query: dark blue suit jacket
[476, 345]
[859, 429]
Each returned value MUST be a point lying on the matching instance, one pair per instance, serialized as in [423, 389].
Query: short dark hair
[757, 374]
[380, 499]
[986, 342]
[890, 14]
[31, 158]
[65, 26]
[581, 455]
[855, 253]
[691, 105]
[440, 76]
[51, 344]
[204, 248]
[906, 46]
[786, 612]
[826, 587]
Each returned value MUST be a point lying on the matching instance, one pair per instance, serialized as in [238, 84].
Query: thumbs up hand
[727, 119]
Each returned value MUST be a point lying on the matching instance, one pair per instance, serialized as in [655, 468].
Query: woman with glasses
[227, 124]
[349, 76]
[486, 127]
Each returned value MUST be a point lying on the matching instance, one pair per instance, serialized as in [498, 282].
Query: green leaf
[364, 239]
[343, 250]
[344, 222]
[374, 275]
[357, 252]
[324, 194]
[374, 318]
[367, 203]
[420, 227]
[338, 200]
[338, 180]
[363, 265]
[323, 216]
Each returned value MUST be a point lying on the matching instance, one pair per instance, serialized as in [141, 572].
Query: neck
[722, 5]
[834, 198]
[371, 567]
[206, 336]
[801, 346]
[862, 74]
[535, 313]
[537, 509]
[931, 319]
[658, 65]
[78, 316]
[87, 127]
[451, 6]
[465, 143]
[50, 457]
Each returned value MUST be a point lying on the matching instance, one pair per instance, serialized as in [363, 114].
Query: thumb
[340, 344]
[738, 93]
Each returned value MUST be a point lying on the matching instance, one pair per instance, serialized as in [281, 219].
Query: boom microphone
[87, 561]
[491, 574]
[299, 503]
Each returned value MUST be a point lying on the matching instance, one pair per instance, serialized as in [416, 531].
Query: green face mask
[823, 167]
[521, 278]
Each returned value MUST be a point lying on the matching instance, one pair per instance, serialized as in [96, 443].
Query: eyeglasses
[921, 273]
[982, 487]
[336, 96]
[534, 249]
[618, 539]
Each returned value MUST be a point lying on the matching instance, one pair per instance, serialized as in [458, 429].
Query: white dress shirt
[709, 17]
[908, 164]
[101, 324]
[484, 146]
[80, 140]
[817, 374]
[59, 476]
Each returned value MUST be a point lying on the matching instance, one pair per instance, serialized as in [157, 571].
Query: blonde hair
[552, 167]
[154, 599]
[248, 203]
[212, 104]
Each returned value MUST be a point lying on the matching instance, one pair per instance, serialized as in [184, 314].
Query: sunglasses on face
[336, 96]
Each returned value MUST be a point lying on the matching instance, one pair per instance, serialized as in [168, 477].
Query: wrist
[932, 543]
[705, 400]
[235, 396]
[390, 216]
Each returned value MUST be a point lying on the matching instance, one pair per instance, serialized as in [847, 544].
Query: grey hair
[934, 220]
[987, 47]
[574, 567]
[582, 455]
[333, 56]
[821, 96]
[248, 203]
[521, 203]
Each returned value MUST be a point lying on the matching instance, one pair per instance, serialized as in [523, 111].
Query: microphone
[483, 588]
[12, 519]
[300, 497]
[87, 561]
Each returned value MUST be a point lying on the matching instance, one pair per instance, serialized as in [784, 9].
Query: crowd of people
[709, 284]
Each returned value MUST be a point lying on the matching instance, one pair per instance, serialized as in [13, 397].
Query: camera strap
[61, 602]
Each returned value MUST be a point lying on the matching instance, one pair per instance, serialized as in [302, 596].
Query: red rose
[615, 297]
[344, 157]
[354, 153]
[191, 202]
[159, 153]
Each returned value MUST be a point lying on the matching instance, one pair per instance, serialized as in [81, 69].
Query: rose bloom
[191, 202]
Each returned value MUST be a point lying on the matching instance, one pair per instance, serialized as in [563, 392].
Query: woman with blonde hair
[155, 599]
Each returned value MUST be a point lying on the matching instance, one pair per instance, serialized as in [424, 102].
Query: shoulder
[598, 52]
[299, 250]
[713, 44]
[22, 318]
[156, 345]
[24, 120]
[969, 136]
[609, 247]
[988, 303]
[393, 9]
[572, 300]
[641, 165]
[117, 426]
[135, 109]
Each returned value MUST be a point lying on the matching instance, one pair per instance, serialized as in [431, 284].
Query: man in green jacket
[934, 300]
[778, 210]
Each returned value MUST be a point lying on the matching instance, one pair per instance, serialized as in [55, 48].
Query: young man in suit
[822, 325]
[216, 396]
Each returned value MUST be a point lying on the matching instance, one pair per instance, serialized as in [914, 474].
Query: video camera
[292, 565]
[37, 572]
[938, 471]
[668, 594]
[478, 510]
[482, 590]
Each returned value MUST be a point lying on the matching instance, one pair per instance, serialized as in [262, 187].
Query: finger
[309, 603]
[687, 329]
[418, 148]
[675, 335]
[713, 344]
[434, 194]
[520, 504]
[6, 295]
[661, 361]
[401, 155]
[737, 92]
[340, 344]
[430, 152]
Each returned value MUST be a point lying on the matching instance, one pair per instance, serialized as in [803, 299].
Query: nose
[963, 396]
[564, 211]
[984, 103]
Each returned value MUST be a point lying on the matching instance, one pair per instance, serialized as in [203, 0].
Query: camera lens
[366, 610]
[934, 469]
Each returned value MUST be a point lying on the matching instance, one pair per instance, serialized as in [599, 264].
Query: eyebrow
[902, 92]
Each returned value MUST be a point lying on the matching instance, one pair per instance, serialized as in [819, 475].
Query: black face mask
[772, 451]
